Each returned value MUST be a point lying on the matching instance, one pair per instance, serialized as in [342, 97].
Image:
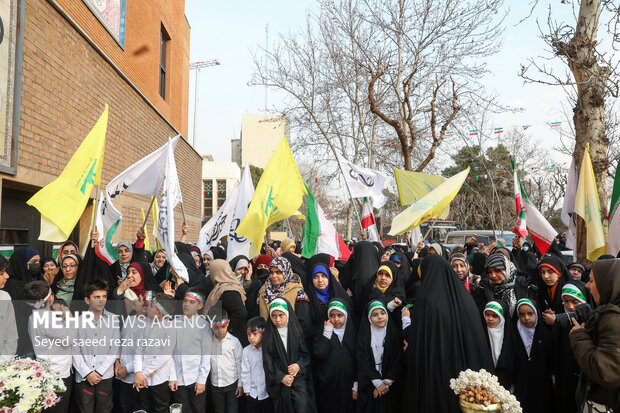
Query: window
[164, 40]
[208, 199]
[221, 193]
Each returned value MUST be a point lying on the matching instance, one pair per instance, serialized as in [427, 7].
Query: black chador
[533, 386]
[334, 360]
[379, 358]
[283, 347]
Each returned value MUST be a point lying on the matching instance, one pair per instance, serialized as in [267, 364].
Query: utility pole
[197, 66]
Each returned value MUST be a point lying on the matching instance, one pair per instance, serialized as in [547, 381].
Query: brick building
[70, 58]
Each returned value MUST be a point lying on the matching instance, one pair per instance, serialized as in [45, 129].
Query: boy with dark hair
[226, 384]
[153, 363]
[95, 351]
[191, 355]
[39, 296]
[252, 371]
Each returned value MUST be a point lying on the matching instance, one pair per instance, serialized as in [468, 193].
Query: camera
[581, 314]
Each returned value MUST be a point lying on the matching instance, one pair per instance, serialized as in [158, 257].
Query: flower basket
[28, 386]
[480, 391]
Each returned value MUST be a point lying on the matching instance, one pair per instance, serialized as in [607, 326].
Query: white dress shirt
[192, 358]
[226, 365]
[53, 345]
[153, 359]
[253, 373]
[101, 358]
[129, 334]
[8, 326]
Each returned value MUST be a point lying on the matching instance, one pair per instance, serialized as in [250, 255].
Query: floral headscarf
[272, 291]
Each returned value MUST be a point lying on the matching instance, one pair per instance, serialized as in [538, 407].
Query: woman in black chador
[446, 338]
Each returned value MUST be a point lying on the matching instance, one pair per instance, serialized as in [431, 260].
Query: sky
[230, 31]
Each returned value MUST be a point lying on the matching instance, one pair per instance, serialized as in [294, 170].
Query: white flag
[363, 182]
[219, 224]
[143, 178]
[237, 244]
[170, 198]
[568, 207]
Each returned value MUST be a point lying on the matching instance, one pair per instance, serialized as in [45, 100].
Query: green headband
[338, 306]
[569, 289]
[528, 302]
[278, 305]
[493, 306]
[374, 305]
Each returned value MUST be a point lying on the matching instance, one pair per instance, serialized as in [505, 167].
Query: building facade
[260, 135]
[70, 57]
[218, 180]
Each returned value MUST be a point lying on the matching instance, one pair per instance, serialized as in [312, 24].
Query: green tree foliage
[486, 200]
[256, 173]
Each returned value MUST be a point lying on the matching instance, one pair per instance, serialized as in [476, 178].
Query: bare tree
[593, 77]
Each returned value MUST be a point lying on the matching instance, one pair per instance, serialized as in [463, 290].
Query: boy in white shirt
[192, 359]
[226, 384]
[51, 344]
[95, 352]
[252, 371]
[125, 396]
[153, 363]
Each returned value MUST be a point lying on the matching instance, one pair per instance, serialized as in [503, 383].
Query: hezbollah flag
[62, 202]
[430, 206]
[278, 195]
[414, 185]
[587, 206]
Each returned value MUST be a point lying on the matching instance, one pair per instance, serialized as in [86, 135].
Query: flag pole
[148, 213]
[92, 220]
[183, 212]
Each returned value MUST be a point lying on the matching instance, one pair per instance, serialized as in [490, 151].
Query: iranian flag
[368, 221]
[530, 218]
[320, 236]
[613, 237]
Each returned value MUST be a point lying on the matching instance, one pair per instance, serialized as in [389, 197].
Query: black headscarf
[324, 259]
[18, 265]
[358, 271]
[276, 360]
[544, 298]
[380, 249]
[218, 253]
[404, 270]
[478, 261]
[233, 263]
[297, 264]
[447, 337]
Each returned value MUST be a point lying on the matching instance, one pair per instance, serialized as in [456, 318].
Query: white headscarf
[496, 334]
[377, 335]
[527, 333]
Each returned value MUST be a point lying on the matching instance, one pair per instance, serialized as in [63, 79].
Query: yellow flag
[62, 202]
[430, 206]
[587, 206]
[278, 195]
[414, 185]
[147, 244]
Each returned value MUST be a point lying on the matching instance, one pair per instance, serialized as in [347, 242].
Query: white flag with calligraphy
[219, 224]
[238, 244]
[363, 182]
[170, 198]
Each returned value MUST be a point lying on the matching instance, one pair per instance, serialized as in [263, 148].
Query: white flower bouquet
[483, 388]
[28, 386]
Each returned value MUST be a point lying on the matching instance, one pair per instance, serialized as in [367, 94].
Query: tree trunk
[350, 220]
[589, 111]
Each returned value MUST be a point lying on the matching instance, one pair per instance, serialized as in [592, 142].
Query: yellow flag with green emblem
[62, 202]
[587, 206]
[278, 195]
[430, 206]
[414, 185]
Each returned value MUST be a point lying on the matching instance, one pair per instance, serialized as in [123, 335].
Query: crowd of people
[384, 331]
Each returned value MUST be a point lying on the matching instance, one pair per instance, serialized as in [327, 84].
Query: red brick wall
[65, 84]
[139, 61]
